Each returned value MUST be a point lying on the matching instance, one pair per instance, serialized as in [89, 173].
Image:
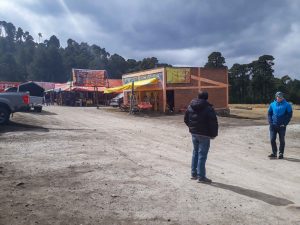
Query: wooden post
[105, 99]
[227, 92]
[155, 93]
[139, 97]
[132, 98]
[96, 96]
[164, 90]
[199, 81]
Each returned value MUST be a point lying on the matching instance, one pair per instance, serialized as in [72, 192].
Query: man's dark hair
[203, 95]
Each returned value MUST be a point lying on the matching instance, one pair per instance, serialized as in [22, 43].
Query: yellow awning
[128, 86]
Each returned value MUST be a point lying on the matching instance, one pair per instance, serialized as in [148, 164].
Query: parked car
[117, 101]
[12, 102]
[35, 91]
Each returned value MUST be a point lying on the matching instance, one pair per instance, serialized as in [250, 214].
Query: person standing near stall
[202, 122]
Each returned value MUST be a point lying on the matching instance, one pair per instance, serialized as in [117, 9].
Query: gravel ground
[87, 166]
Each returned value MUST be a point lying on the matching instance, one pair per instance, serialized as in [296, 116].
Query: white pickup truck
[11, 102]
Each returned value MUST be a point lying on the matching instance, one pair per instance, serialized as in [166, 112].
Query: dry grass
[258, 111]
[295, 107]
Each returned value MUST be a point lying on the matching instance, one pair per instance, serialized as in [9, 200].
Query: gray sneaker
[204, 180]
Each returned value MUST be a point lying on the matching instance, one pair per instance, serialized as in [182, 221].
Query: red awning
[80, 88]
[62, 87]
[67, 87]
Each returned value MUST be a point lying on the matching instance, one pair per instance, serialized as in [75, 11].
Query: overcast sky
[178, 32]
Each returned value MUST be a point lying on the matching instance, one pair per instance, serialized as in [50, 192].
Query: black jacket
[201, 118]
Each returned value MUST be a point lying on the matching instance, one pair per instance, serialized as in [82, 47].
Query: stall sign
[89, 78]
[178, 75]
[159, 75]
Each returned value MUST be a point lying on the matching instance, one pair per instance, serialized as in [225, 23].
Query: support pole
[96, 96]
[132, 97]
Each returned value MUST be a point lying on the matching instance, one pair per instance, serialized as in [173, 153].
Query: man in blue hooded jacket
[279, 115]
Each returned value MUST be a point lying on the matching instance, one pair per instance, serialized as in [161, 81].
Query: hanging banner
[158, 75]
[89, 78]
[129, 86]
[178, 75]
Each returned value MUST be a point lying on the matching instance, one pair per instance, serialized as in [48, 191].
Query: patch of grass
[258, 111]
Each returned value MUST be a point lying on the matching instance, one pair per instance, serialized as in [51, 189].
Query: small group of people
[201, 119]
[49, 98]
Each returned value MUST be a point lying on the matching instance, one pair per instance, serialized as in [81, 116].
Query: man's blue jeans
[273, 133]
[200, 151]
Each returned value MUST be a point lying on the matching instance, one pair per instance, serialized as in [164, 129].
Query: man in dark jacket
[202, 121]
[279, 114]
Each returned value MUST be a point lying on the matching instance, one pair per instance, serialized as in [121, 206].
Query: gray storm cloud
[177, 32]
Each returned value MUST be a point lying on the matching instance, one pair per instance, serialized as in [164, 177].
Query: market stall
[70, 94]
[174, 87]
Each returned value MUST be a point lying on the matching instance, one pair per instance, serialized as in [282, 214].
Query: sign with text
[89, 78]
[159, 75]
[178, 75]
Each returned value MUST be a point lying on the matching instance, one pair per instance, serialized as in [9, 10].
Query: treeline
[22, 58]
[255, 82]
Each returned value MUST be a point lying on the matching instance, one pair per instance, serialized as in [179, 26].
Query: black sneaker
[272, 156]
[194, 177]
[204, 180]
[280, 156]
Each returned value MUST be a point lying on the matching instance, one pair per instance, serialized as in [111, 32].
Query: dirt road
[88, 166]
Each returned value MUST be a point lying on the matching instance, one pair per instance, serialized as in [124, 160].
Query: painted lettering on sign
[178, 75]
[159, 75]
[89, 78]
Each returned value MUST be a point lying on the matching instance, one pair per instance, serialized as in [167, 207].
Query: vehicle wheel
[4, 115]
[37, 108]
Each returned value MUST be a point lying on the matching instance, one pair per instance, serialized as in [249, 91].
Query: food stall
[171, 89]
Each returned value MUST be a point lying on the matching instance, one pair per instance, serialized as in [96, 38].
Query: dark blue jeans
[274, 130]
[200, 151]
